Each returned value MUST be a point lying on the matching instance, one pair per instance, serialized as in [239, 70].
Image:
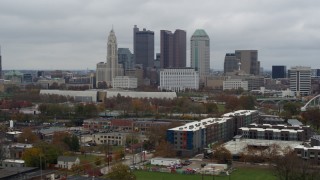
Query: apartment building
[192, 137]
[275, 132]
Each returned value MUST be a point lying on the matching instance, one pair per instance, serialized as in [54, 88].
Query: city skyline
[72, 35]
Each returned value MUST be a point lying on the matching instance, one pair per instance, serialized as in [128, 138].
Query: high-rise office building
[143, 47]
[249, 61]
[157, 61]
[315, 72]
[200, 53]
[279, 72]
[109, 70]
[126, 58]
[231, 64]
[166, 49]
[173, 49]
[300, 80]
[0, 64]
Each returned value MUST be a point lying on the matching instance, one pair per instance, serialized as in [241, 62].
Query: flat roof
[270, 129]
[165, 159]
[239, 113]
[236, 147]
[197, 125]
[14, 132]
[307, 148]
[13, 160]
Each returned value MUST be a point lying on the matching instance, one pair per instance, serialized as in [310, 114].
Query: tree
[289, 166]
[211, 108]
[50, 152]
[121, 172]
[31, 157]
[222, 155]
[293, 108]
[312, 116]
[74, 144]
[61, 140]
[118, 155]
[156, 134]
[98, 161]
[247, 102]
[27, 136]
[165, 149]
[232, 103]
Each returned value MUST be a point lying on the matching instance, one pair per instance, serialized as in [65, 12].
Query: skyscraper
[249, 61]
[300, 80]
[126, 58]
[166, 49]
[279, 72]
[200, 53]
[109, 70]
[231, 64]
[0, 64]
[180, 48]
[173, 49]
[143, 47]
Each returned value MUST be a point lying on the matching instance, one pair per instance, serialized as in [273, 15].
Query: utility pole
[40, 167]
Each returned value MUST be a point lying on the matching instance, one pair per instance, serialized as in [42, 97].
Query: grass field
[239, 174]
[221, 107]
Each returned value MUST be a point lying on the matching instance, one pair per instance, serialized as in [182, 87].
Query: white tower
[109, 70]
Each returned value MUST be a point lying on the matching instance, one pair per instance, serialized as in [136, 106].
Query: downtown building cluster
[168, 70]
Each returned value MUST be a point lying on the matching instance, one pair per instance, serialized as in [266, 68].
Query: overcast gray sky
[71, 34]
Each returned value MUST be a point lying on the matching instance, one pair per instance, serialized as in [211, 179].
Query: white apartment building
[177, 79]
[126, 82]
[235, 84]
[300, 80]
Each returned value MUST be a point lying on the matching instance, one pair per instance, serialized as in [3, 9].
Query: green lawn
[221, 107]
[89, 158]
[239, 174]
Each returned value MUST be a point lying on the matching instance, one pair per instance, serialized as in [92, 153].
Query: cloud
[43, 34]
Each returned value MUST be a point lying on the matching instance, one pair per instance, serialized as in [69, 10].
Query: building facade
[235, 84]
[231, 64]
[0, 64]
[173, 49]
[193, 137]
[143, 47]
[249, 61]
[300, 80]
[179, 79]
[126, 58]
[126, 82]
[279, 72]
[107, 71]
[276, 132]
[116, 139]
[200, 53]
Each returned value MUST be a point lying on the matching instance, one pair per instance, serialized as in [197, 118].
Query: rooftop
[239, 113]
[236, 147]
[197, 125]
[200, 32]
[67, 158]
[14, 161]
